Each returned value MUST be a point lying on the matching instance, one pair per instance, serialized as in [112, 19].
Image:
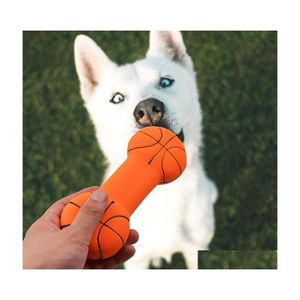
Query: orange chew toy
[155, 156]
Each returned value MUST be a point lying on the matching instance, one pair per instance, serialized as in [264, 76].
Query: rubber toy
[155, 155]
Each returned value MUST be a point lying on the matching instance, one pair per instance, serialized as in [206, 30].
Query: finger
[52, 214]
[123, 255]
[133, 237]
[110, 263]
[60, 204]
[88, 217]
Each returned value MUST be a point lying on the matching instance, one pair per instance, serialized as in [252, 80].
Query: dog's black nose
[149, 112]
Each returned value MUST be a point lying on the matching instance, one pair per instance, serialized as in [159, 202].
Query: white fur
[176, 217]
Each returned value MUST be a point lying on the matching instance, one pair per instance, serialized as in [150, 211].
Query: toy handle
[129, 187]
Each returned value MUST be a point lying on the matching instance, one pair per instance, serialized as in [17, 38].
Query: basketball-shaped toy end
[162, 149]
[109, 238]
[110, 234]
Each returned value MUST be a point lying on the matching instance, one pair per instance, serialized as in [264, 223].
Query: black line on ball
[116, 216]
[161, 163]
[98, 242]
[75, 204]
[161, 135]
[161, 166]
[109, 205]
[142, 147]
[163, 147]
[177, 162]
[157, 141]
[104, 224]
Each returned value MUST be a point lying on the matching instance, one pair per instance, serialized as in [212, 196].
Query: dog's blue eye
[165, 82]
[117, 98]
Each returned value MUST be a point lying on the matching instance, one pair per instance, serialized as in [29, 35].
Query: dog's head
[157, 90]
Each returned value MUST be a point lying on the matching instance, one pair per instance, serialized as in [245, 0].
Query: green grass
[237, 78]
[237, 259]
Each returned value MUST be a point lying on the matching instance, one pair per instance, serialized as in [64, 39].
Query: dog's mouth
[180, 135]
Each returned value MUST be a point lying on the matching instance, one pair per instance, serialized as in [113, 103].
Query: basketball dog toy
[155, 155]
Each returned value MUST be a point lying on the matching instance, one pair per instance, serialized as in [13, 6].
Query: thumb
[89, 216]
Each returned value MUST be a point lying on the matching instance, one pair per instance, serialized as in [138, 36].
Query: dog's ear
[169, 44]
[90, 62]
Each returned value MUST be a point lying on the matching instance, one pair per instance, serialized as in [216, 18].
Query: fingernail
[99, 196]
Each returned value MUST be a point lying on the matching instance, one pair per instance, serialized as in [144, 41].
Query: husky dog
[159, 90]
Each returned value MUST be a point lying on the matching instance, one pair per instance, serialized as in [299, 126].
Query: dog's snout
[149, 112]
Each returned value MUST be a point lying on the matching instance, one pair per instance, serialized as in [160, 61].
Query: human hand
[46, 246]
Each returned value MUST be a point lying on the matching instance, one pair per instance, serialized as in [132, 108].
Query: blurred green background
[237, 79]
[237, 259]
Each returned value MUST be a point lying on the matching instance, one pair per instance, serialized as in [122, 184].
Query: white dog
[157, 90]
